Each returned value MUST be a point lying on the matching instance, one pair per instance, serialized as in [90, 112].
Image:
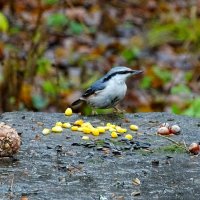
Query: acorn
[9, 141]
[163, 131]
[194, 148]
[175, 129]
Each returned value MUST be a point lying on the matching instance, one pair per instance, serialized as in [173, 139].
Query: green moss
[116, 143]
[173, 148]
[99, 142]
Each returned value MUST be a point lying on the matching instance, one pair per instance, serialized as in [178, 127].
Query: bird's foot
[94, 112]
[117, 110]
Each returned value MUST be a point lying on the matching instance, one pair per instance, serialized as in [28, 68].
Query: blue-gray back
[96, 86]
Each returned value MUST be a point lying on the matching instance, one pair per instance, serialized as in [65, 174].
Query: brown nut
[175, 129]
[194, 148]
[163, 131]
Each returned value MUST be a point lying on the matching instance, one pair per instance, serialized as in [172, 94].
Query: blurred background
[52, 50]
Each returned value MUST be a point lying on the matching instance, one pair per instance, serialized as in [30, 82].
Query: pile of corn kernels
[88, 129]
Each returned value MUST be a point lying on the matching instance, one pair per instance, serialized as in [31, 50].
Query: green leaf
[76, 27]
[57, 20]
[175, 109]
[39, 102]
[188, 76]
[43, 66]
[130, 54]
[180, 89]
[146, 82]
[49, 88]
[194, 108]
[14, 30]
[50, 2]
[163, 74]
[184, 30]
[3, 23]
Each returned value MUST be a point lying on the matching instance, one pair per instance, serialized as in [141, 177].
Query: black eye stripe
[115, 73]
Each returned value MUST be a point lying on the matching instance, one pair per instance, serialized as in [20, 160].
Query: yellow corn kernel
[86, 130]
[114, 134]
[85, 137]
[134, 127]
[106, 127]
[95, 132]
[80, 129]
[118, 127]
[86, 124]
[68, 112]
[57, 129]
[91, 127]
[101, 129]
[111, 129]
[108, 124]
[46, 131]
[58, 123]
[124, 130]
[74, 128]
[112, 126]
[79, 122]
[129, 136]
[121, 130]
[66, 125]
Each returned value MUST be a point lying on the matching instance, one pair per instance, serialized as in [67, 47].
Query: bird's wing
[95, 88]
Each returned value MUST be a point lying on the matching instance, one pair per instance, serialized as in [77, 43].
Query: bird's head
[121, 73]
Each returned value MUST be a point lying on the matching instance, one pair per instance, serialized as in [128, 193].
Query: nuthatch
[109, 90]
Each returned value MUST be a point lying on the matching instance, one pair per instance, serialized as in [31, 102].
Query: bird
[109, 90]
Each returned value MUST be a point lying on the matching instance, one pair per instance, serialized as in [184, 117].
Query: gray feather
[97, 86]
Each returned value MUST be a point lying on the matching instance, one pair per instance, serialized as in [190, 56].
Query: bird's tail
[77, 102]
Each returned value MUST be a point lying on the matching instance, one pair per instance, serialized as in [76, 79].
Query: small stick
[175, 142]
[186, 146]
[11, 187]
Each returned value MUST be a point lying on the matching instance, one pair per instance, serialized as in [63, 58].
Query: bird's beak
[134, 72]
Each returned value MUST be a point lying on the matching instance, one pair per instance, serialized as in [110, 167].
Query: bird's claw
[117, 110]
[94, 112]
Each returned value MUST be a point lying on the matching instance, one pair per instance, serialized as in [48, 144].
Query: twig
[175, 142]
[11, 187]
[186, 146]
